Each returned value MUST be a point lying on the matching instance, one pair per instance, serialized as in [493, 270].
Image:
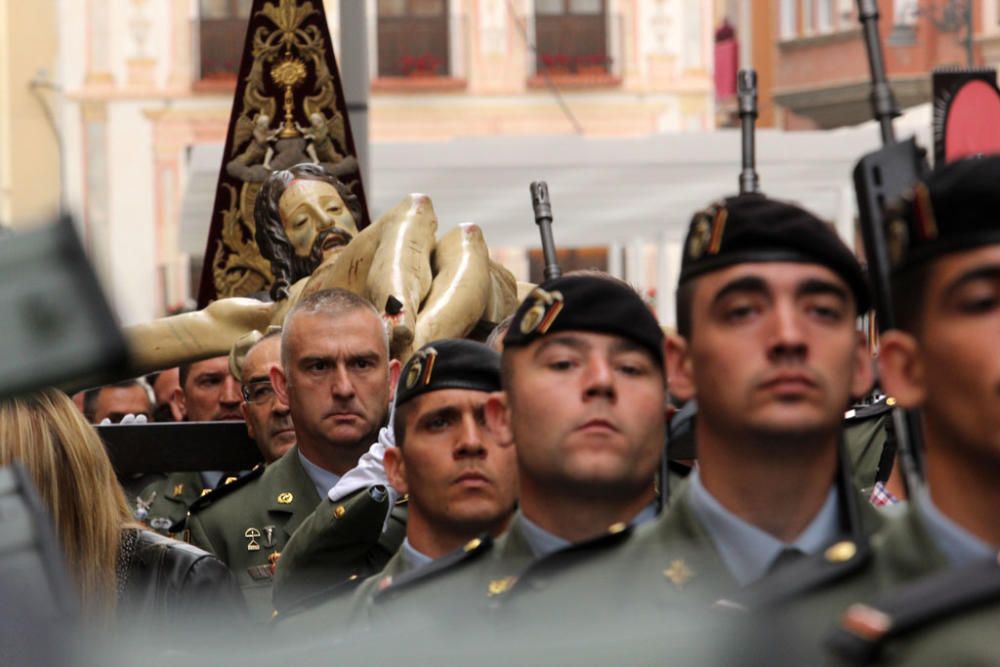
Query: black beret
[585, 303]
[955, 208]
[753, 228]
[449, 363]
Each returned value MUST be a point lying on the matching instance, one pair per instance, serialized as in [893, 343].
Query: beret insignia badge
[897, 237]
[700, 234]
[543, 312]
[422, 367]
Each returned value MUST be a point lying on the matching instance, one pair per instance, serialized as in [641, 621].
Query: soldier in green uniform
[766, 309]
[336, 378]
[584, 405]
[944, 244]
[460, 481]
[207, 392]
[767, 306]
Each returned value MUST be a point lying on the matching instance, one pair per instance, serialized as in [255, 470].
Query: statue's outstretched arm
[461, 286]
[188, 337]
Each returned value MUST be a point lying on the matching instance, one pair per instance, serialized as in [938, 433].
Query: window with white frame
[824, 16]
[788, 23]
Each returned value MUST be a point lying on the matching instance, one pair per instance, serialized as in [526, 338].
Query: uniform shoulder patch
[865, 628]
[470, 551]
[221, 492]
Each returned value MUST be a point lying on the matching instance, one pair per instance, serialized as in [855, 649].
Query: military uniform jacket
[339, 542]
[246, 524]
[810, 599]
[947, 618]
[167, 501]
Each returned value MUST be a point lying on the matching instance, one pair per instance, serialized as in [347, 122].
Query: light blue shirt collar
[957, 544]
[647, 513]
[540, 541]
[414, 558]
[322, 479]
[746, 550]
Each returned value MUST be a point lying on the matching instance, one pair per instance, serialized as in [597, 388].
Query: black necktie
[786, 557]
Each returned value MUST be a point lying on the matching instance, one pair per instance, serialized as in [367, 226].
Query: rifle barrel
[747, 93]
[542, 206]
[883, 101]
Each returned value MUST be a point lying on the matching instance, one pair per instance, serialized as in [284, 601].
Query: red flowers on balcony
[562, 63]
[426, 64]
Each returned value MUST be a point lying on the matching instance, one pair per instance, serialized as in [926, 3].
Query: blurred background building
[118, 109]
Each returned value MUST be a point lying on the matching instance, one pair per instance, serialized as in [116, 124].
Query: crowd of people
[506, 499]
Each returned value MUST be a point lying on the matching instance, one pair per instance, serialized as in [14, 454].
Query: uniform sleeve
[199, 538]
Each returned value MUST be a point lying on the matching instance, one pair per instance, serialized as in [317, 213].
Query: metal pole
[969, 54]
[354, 78]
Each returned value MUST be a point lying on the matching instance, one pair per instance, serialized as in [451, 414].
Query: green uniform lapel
[288, 493]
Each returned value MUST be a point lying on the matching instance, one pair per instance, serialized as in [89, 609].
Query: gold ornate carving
[242, 271]
[289, 51]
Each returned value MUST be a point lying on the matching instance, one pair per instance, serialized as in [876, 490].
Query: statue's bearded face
[316, 221]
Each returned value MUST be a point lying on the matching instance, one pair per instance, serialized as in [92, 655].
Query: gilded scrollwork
[288, 111]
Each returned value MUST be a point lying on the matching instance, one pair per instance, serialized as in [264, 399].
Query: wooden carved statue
[425, 287]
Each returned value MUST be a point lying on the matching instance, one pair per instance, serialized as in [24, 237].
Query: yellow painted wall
[29, 154]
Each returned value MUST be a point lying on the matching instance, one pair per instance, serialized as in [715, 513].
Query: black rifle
[746, 86]
[880, 178]
[542, 205]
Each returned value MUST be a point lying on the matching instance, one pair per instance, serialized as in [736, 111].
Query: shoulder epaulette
[865, 628]
[473, 549]
[877, 409]
[222, 491]
[837, 561]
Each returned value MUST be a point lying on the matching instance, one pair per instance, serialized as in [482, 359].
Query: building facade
[143, 85]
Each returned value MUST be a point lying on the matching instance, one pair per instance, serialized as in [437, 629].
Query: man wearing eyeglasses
[255, 510]
[269, 421]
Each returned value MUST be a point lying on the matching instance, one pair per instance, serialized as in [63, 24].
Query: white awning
[604, 190]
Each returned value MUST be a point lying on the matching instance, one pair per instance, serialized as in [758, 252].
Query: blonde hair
[67, 463]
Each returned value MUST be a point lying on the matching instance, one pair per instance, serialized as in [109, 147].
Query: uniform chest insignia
[178, 489]
[160, 523]
[273, 560]
[500, 586]
[142, 506]
[252, 534]
[268, 536]
[679, 573]
[260, 572]
[286, 498]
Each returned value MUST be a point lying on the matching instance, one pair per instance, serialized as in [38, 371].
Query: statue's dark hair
[270, 236]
